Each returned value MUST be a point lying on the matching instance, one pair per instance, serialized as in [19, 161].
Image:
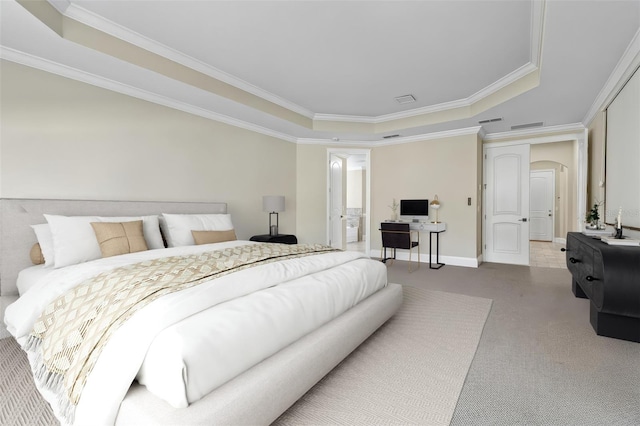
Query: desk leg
[438, 264]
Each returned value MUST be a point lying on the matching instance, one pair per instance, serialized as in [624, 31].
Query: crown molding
[93, 20]
[624, 69]
[60, 5]
[538, 16]
[534, 132]
[105, 83]
[394, 141]
[430, 136]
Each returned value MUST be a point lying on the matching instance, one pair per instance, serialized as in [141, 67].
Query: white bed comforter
[184, 345]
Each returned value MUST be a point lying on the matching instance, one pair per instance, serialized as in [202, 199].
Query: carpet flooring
[411, 371]
[539, 361]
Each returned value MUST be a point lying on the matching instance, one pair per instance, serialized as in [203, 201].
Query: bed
[176, 356]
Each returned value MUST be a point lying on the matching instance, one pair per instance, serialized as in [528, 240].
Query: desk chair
[398, 236]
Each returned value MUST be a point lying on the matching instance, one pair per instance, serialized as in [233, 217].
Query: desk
[439, 265]
[431, 228]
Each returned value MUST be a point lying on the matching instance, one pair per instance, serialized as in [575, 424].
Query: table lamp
[273, 204]
[435, 205]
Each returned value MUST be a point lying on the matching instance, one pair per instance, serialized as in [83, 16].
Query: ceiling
[330, 71]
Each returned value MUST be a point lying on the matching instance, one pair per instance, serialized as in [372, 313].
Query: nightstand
[280, 238]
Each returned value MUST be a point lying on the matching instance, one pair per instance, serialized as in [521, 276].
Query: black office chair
[398, 236]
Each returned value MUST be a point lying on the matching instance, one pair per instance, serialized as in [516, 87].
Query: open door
[338, 201]
[507, 204]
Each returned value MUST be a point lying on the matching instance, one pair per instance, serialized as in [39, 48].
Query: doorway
[542, 184]
[349, 199]
[570, 191]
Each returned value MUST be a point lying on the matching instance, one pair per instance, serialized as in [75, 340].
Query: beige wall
[64, 139]
[450, 167]
[311, 179]
[447, 167]
[61, 138]
[596, 172]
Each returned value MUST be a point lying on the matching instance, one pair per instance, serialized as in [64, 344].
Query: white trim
[501, 83]
[100, 23]
[60, 5]
[403, 255]
[105, 83]
[560, 240]
[394, 141]
[536, 132]
[624, 69]
[538, 18]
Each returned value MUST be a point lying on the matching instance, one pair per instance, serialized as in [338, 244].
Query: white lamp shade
[273, 203]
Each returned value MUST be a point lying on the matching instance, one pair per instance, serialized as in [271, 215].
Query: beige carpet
[411, 371]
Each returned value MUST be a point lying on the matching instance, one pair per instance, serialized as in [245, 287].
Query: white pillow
[45, 239]
[74, 240]
[177, 227]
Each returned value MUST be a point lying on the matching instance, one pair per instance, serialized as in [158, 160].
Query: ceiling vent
[390, 136]
[490, 120]
[405, 99]
[525, 126]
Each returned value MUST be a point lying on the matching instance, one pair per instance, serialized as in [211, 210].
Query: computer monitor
[414, 210]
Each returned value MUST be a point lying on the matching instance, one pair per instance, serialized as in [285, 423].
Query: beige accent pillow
[36, 255]
[209, 237]
[116, 238]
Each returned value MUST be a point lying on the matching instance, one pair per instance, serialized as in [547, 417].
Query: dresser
[609, 276]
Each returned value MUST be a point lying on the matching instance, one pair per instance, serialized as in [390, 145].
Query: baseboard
[560, 240]
[468, 262]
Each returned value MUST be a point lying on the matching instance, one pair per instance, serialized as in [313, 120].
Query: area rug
[410, 371]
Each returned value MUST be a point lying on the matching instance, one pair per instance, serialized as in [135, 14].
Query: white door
[542, 195]
[338, 201]
[507, 204]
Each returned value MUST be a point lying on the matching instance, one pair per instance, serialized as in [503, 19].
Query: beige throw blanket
[72, 331]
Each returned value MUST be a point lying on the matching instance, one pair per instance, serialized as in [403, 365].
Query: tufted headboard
[17, 237]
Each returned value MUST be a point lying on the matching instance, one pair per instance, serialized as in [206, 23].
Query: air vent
[405, 99]
[524, 126]
[490, 120]
[390, 136]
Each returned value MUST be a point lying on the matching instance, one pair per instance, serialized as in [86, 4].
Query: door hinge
[485, 186]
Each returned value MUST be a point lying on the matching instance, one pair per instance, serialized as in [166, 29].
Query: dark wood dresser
[609, 276]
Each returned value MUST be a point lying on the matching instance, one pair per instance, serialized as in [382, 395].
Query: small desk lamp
[273, 204]
[435, 205]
